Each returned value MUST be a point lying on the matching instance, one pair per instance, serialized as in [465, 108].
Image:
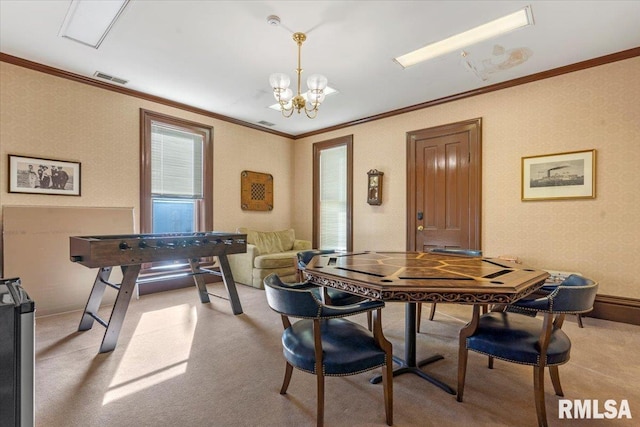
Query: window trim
[205, 222]
[347, 141]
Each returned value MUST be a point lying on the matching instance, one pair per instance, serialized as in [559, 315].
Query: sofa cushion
[276, 260]
[269, 242]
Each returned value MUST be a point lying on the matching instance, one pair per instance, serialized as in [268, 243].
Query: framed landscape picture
[43, 176]
[559, 176]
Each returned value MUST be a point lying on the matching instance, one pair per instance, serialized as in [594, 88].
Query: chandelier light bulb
[286, 95]
[279, 81]
[315, 97]
[317, 82]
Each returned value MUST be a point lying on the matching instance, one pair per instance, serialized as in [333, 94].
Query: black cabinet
[16, 355]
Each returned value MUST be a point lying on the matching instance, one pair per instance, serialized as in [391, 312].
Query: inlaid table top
[414, 277]
[425, 277]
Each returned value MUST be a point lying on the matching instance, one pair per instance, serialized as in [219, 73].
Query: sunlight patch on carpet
[161, 345]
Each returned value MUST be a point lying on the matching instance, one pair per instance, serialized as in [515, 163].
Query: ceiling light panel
[514, 21]
[88, 22]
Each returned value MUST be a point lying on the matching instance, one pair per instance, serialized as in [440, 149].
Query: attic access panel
[256, 191]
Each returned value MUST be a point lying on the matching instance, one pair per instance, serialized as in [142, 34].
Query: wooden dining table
[425, 277]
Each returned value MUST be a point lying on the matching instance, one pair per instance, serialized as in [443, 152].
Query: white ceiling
[218, 55]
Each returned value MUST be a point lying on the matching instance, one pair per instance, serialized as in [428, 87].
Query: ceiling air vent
[110, 78]
[265, 123]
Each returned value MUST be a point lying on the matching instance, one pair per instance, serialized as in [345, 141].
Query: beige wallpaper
[598, 108]
[46, 116]
[49, 117]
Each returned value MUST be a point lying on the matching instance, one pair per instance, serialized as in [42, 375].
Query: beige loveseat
[267, 252]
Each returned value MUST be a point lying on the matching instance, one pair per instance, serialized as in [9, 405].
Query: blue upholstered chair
[324, 343]
[546, 289]
[304, 257]
[527, 340]
[331, 296]
[458, 252]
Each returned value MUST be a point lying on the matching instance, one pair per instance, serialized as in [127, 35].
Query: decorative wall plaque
[256, 191]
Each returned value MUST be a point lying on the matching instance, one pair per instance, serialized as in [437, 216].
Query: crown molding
[619, 56]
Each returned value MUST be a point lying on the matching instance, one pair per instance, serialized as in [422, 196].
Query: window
[332, 194]
[176, 176]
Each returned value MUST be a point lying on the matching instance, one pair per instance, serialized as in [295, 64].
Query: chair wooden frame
[332, 312]
[387, 370]
[548, 324]
[552, 321]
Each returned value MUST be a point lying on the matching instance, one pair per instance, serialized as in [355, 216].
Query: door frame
[347, 141]
[474, 129]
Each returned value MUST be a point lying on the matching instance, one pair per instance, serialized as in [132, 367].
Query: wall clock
[374, 187]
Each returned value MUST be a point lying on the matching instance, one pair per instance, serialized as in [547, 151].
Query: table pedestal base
[406, 369]
[409, 365]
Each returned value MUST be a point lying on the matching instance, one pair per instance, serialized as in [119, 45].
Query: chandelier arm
[283, 105]
[286, 112]
[314, 110]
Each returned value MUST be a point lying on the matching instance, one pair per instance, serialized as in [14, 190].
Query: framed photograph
[559, 176]
[43, 176]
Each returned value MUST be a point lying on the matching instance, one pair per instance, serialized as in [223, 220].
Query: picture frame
[570, 175]
[36, 175]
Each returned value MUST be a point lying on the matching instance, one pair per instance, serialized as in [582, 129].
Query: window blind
[176, 162]
[333, 198]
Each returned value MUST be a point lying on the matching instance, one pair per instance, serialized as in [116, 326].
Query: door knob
[420, 228]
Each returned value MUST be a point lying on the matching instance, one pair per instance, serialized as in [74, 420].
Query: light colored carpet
[182, 363]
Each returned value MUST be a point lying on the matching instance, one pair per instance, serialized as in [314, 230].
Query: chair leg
[580, 320]
[463, 352]
[320, 405]
[433, 311]
[555, 379]
[419, 314]
[490, 362]
[387, 384]
[287, 378]
[538, 393]
[462, 370]
[369, 321]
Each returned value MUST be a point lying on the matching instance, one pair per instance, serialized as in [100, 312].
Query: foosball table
[131, 251]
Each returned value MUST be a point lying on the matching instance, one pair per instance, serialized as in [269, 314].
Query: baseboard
[617, 309]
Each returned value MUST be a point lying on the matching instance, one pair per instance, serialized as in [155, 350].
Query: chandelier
[309, 101]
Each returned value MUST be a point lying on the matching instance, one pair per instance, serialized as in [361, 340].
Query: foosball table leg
[95, 298]
[199, 280]
[130, 276]
[230, 284]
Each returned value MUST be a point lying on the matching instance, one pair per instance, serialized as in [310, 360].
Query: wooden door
[444, 174]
